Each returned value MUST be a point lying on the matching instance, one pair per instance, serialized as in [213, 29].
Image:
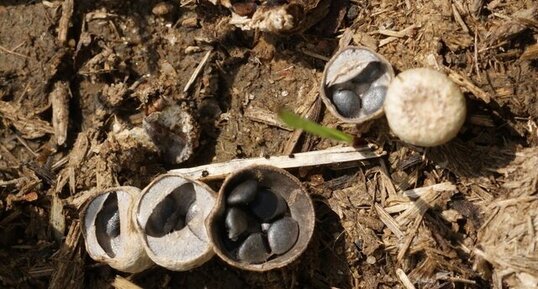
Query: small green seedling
[295, 121]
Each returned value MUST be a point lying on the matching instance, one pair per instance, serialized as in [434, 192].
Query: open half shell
[174, 132]
[109, 234]
[296, 213]
[170, 216]
[355, 83]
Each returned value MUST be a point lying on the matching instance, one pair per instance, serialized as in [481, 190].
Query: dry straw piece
[170, 216]
[297, 201]
[109, 232]
[424, 107]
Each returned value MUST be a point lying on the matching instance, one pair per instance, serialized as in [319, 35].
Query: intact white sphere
[424, 107]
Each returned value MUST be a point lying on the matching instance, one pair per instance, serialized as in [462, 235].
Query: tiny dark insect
[205, 173]
[267, 156]
[291, 156]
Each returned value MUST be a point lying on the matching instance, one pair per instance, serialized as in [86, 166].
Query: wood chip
[59, 99]
[122, 283]
[404, 279]
[63, 27]
[57, 217]
[69, 271]
[389, 221]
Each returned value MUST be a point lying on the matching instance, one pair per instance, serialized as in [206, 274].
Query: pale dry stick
[398, 208]
[404, 279]
[266, 117]
[11, 182]
[471, 87]
[315, 55]
[457, 279]
[12, 52]
[25, 144]
[307, 159]
[477, 68]
[399, 34]
[458, 19]
[63, 26]
[380, 12]
[389, 221]
[197, 71]
[122, 283]
[419, 192]
[395, 34]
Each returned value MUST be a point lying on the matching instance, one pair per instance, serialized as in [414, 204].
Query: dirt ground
[96, 73]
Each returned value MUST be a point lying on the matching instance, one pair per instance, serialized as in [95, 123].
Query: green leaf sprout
[295, 121]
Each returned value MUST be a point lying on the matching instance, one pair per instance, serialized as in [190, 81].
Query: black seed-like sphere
[373, 98]
[253, 250]
[282, 235]
[243, 194]
[236, 223]
[347, 102]
[268, 205]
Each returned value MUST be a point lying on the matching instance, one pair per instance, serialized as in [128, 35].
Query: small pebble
[268, 205]
[243, 194]
[282, 235]
[371, 260]
[347, 102]
[253, 250]
[236, 223]
[373, 98]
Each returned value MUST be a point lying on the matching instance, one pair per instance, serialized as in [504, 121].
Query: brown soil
[119, 62]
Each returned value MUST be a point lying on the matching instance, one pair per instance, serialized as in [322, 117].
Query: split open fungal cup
[354, 84]
[263, 219]
[170, 216]
[109, 233]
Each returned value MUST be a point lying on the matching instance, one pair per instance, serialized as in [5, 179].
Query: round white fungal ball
[424, 107]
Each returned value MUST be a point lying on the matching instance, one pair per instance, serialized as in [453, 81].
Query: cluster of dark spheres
[358, 94]
[257, 223]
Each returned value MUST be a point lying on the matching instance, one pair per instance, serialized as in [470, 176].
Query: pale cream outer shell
[130, 256]
[424, 107]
